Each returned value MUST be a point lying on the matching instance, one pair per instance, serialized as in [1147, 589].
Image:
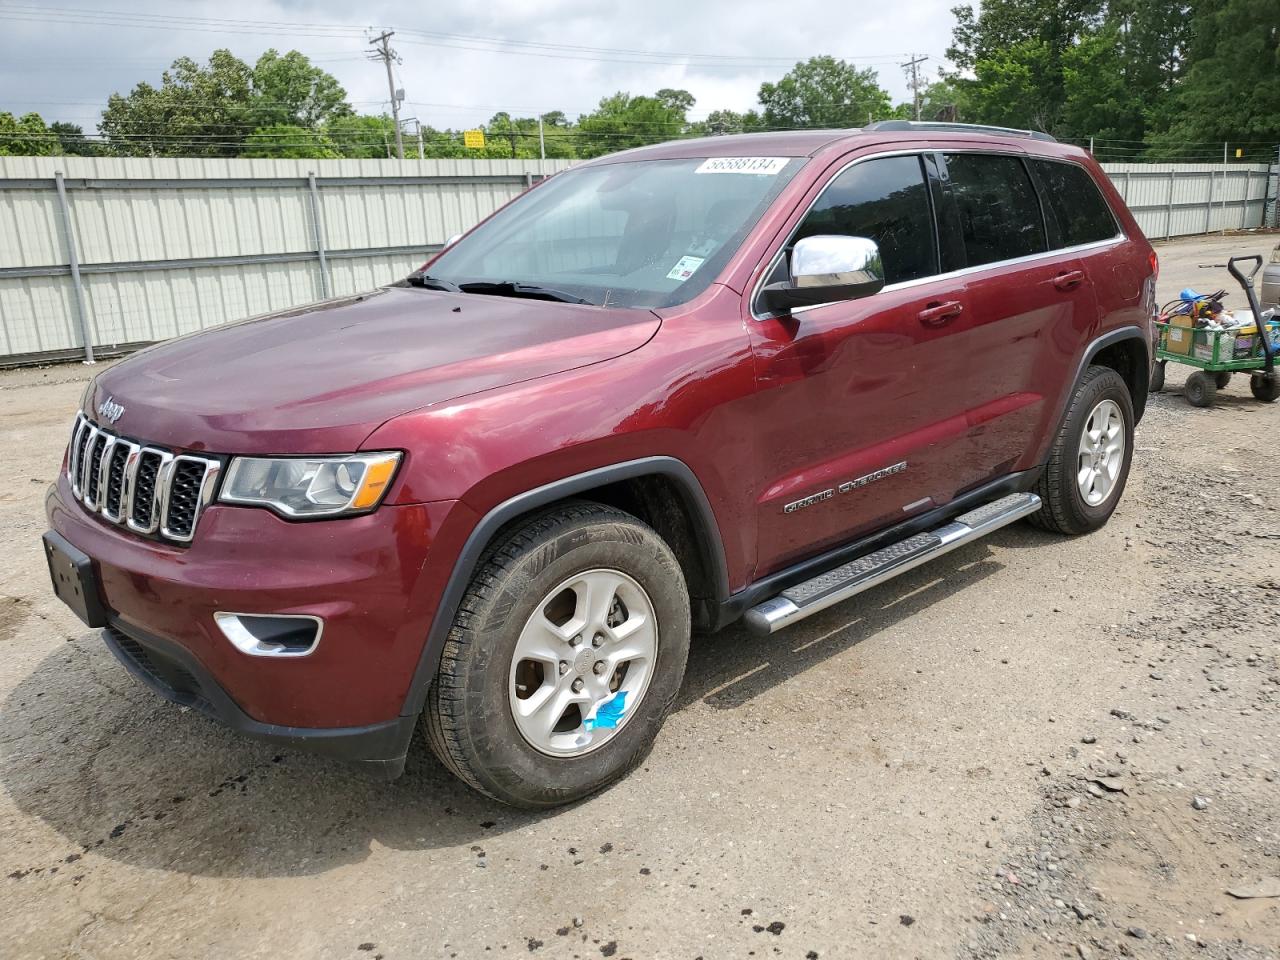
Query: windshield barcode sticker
[684, 268]
[768, 166]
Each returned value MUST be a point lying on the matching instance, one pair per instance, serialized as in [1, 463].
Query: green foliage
[1126, 72]
[1232, 88]
[72, 142]
[289, 90]
[364, 138]
[623, 121]
[285, 141]
[824, 92]
[25, 136]
[1154, 79]
[214, 110]
[197, 111]
[721, 123]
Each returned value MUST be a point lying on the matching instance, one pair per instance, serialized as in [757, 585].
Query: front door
[859, 421]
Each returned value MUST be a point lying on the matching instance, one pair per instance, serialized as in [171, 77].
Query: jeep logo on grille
[110, 411]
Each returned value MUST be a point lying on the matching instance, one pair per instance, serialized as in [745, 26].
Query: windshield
[645, 233]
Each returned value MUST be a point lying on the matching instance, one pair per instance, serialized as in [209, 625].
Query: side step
[852, 578]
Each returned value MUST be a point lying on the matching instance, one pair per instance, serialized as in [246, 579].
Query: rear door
[857, 420]
[1032, 308]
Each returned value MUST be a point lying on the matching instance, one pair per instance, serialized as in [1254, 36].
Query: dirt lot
[997, 755]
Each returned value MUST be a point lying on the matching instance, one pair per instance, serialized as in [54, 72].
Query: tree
[72, 141]
[289, 90]
[944, 99]
[363, 137]
[1232, 87]
[210, 110]
[623, 121]
[824, 92]
[723, 122]
[283, 141]
[26, 136]
[1014, 51]
[195, 112]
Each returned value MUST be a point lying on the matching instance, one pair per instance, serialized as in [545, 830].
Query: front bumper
[371, 579]
[172, 671]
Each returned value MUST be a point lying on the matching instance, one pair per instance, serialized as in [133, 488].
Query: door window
[1000, 217]
[1075, 202]
[885, 200]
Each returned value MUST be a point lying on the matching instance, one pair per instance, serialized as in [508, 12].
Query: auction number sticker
[768, 166]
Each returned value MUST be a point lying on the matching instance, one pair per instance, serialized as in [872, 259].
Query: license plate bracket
[75, 582]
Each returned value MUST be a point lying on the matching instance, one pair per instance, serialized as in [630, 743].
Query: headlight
[311, 486]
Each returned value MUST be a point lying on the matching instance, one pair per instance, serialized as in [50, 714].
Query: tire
[1201, 389]
[1265, 387]
[1157, 377]
[546, 564]
[1064, 507]
[1221, 379]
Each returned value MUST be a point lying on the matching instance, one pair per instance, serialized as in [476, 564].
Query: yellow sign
[473, 139]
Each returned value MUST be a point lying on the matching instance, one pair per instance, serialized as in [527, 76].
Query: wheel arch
[1127, 351]
[661, 491]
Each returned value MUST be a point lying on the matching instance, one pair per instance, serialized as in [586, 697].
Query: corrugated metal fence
[1177, 199]
[164, 247]
[138, 250]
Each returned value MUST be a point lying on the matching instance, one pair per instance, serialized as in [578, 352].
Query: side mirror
[827, 269]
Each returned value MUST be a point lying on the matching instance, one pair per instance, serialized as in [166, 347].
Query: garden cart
[1219, 352]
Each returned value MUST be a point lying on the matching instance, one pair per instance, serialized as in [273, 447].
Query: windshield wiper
[514, 288]
[428, 282]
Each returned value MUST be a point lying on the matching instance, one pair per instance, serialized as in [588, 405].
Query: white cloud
[64, 66]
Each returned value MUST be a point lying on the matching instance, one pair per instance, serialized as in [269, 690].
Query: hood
[321, 380]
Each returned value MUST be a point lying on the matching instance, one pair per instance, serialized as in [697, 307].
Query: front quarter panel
[683, 395]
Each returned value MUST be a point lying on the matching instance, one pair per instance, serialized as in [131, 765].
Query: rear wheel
[1089, 461]
[1221, 379]
[1200, 389]
[1265, 386]
[566, 655]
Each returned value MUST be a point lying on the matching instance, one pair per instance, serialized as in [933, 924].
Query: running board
[852, 578]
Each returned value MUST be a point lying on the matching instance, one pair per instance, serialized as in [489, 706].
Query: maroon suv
[740, 377]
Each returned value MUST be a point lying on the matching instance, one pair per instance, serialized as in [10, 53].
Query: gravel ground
[1034, 747]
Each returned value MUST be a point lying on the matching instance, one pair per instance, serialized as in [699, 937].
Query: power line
[80, 15]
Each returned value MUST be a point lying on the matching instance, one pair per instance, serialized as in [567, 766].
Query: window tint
[1075, 202]
[999, 213]
[887, 201]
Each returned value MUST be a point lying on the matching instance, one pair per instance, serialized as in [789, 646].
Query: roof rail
[885, 126]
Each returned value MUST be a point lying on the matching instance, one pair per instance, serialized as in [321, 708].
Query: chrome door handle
[936, 314]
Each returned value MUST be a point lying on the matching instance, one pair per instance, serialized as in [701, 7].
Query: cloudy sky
[63, 61]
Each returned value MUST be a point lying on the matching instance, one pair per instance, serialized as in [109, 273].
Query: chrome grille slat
[134, 485]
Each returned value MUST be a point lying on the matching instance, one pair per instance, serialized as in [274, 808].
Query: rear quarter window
[1075, 202]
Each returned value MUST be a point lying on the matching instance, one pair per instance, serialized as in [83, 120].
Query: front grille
[147, 489]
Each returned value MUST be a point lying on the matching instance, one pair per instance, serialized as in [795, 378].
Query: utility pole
[384, 53]
[914, 66]
[542, 141]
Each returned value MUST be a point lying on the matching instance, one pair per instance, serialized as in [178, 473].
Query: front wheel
[1221, 379]
[1201, 389]
[567, 653]
[1089, 460]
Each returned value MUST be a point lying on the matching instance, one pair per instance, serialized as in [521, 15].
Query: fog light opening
[271, 635]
